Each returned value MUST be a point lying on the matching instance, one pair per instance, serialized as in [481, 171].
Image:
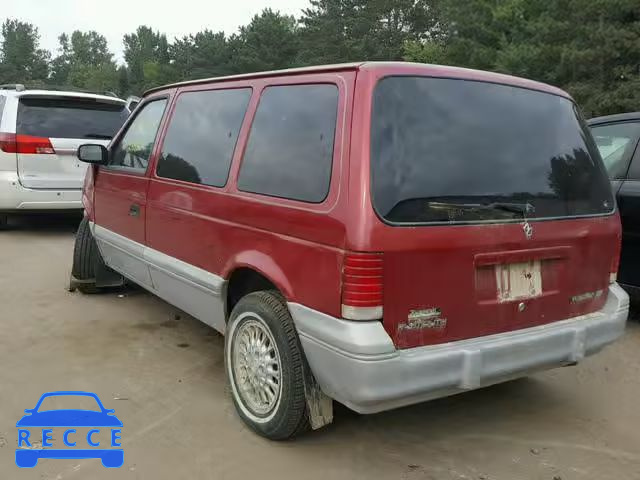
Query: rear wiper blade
[98, 136]
[522, 208]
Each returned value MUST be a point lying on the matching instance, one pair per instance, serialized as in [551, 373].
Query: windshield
[616, 143]
[440, 142]
[69, 118]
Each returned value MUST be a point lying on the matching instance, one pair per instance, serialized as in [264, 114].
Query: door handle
[134, 210]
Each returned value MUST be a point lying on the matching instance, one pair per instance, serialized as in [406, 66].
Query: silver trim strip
[161, 261]
[66, 151]
[202, 278]
[118, 241]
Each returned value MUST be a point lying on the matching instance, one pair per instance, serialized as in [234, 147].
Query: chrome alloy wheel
[256, 366]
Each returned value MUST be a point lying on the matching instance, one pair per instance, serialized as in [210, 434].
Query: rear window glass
[616, 143]
[290, 149]
[69, 118]
[202, 136]
[458, 151]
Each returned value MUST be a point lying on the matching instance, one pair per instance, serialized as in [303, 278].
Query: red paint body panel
[114, 194]
[297, 245]
[300, 247]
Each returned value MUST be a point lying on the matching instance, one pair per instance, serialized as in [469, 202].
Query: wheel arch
[250, 272]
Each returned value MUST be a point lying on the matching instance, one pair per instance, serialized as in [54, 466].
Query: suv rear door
[50, 129]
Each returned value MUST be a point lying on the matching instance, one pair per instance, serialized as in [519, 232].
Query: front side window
[461, 151]
[202, 136]
[290, 149]
[616, 143]
[134, 148]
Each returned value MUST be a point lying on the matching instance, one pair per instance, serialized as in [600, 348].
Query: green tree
[205, 54]
[146, 50]
[61, 65]
[123, 81]
[268, 42]
[589, 47]
[84, 61]
[351, 30]
[21, 59]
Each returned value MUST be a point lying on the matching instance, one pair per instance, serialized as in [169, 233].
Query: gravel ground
[162, 371]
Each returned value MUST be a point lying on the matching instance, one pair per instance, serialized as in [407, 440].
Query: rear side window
[460, 151]
[202, 136]
[616, 143]
[290, 149]
[69, 118]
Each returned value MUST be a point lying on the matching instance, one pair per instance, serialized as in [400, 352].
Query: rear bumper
[357, 364]
[15, 197]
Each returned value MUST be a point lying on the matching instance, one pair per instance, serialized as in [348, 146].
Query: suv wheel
[4, 221]
[84, 252]
[265, 366]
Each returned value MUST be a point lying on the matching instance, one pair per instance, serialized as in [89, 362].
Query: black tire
[84, 252]
[4, 221]
[289, 416]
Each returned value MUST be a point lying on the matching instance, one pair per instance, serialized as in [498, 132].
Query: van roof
[399, 68]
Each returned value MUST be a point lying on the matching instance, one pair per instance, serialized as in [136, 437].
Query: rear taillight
[362, 286]
[12, 143]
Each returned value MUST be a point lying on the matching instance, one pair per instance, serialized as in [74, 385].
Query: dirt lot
[162, 372]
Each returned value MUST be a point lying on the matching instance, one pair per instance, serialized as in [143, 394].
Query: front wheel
[265, 366]
[84, 252]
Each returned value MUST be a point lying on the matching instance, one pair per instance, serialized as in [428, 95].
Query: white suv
[40, 131]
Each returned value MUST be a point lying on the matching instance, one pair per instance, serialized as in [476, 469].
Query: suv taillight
[362, 286]
[12, 143]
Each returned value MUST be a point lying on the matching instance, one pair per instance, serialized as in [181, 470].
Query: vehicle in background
[132, 103]
[617, 138]
[40, 131]
[379, 234]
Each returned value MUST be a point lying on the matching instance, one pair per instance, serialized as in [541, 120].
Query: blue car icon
[96, 419]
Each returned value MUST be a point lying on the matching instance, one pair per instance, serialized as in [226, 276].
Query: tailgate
[60, 170]
[49, 130]
[480, 280]
[494, 209]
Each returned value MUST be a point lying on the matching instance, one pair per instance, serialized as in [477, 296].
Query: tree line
[589, 47]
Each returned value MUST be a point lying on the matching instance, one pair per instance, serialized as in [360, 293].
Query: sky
[114, 18]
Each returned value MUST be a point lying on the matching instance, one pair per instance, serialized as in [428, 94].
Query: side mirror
[28, 410]
[93, 153]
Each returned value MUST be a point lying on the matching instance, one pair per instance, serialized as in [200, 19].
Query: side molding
[192, 289]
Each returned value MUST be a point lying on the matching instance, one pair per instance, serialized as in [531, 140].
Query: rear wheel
[84, 252]
[265, 366]
[4, 221]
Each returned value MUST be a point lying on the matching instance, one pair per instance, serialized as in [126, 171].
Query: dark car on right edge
[617, 138]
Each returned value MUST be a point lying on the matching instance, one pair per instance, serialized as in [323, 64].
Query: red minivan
[378, 234]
